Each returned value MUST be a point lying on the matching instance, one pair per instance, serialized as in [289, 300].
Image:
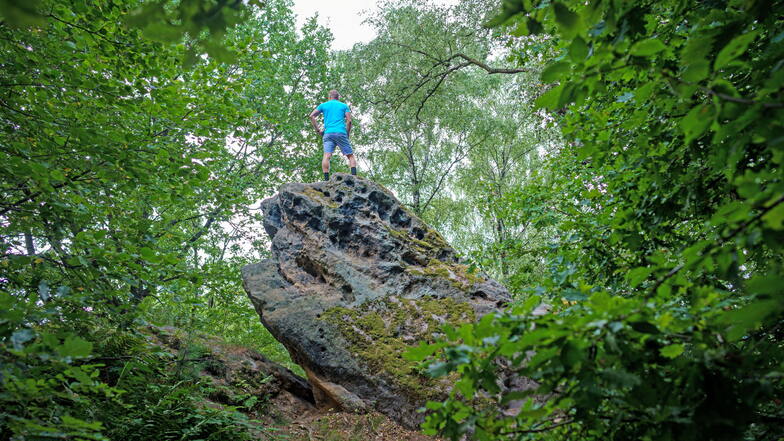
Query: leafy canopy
[127, 197]
[665, 273]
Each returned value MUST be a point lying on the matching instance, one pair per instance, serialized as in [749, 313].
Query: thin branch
[32, 196]
[438, 84]
[489, 69]
[724, 96]
[439, 62]
[448, 169]
[734, 99]
[206, 227]
[89, 31]
[717, 244]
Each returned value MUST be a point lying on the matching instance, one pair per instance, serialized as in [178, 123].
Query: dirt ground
[341, 426]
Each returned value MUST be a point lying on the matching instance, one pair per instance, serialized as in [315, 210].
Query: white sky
[343, 17]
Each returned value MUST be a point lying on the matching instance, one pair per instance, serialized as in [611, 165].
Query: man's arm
[348, 123]
[313, 115]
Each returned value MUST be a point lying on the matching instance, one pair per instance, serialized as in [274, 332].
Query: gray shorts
[341, 139]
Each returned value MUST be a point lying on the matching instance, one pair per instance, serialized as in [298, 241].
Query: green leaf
[637, 275]
[578, 50]
[664, 290]
[20, 337]
[749, 317]
[572, 294]
[148, 254]
[568, 20]
[498, 20]
[43, 290]
[550, 99]
[698, 47]
[6, 301]
[555, 71]
[647, 47]
[79, 375]
[520, 30]
[18, 13]
[78, 424]
[507, 14]
[57, 175]
[696, 72]
[439, 369]
[466, 387]
[774, 219]
[672, 351]
[434, 405]
[766, 284]
[421, 351]
[697, 121]
[644, 92]
[734, 49]
[571, 354]
[75, 347]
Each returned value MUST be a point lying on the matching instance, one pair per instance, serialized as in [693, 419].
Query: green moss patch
[380, 332]
[458, 275]
[320, 197]
[430, 242]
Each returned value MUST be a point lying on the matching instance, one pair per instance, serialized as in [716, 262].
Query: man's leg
[329, 148]
[325, 165]
[352, 162]
[345, 147]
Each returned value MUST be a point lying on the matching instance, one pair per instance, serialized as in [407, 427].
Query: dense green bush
[665, 272]
[129, 168]
[109, 384]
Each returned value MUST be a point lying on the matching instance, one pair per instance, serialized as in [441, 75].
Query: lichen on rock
[354, 280]
[380, 332]
[459, 276]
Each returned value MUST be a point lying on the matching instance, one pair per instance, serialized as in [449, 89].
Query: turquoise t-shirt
[334, 116]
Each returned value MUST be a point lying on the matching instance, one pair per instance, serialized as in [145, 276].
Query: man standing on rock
[337, 128]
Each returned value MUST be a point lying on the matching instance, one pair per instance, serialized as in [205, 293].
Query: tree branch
[32, 196]
[489, 69]
[716, 245]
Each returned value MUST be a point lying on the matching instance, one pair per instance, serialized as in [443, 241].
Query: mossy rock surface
[380, 332]
[354, 280]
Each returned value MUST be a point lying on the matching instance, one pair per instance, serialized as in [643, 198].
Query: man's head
[333, 94]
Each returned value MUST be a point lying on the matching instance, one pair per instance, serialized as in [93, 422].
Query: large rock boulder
[354, 280]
